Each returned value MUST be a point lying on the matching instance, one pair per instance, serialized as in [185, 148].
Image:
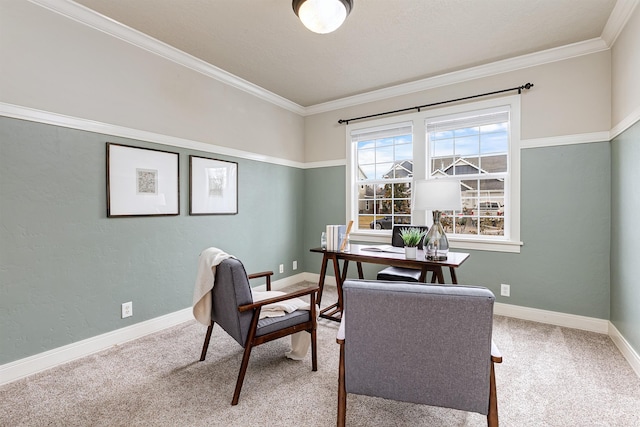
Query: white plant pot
[410, 252]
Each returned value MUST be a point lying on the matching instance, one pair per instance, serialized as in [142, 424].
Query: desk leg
[340, 278]
[343, 276]
[323, 272]
[360, 273]
[334, 311]
[454, 279]
[423, 274]
[437, 273]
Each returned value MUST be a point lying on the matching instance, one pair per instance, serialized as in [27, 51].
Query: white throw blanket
[300, 341]
[207, 262]
[205, 280]
[278, 309]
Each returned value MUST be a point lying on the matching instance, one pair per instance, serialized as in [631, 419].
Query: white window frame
[352, 168]
[511, 242]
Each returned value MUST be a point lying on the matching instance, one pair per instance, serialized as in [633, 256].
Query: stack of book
[336, 234]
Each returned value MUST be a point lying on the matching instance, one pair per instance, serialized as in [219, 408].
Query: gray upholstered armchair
[235, 311]
[432, 346]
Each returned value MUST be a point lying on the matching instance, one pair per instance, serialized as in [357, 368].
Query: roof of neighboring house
[484, 164]
[461, 166]
[402, 169]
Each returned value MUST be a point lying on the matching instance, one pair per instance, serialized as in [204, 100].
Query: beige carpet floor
[551, 376]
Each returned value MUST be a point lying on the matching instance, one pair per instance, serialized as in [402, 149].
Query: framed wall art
[142, 182]
[213, 186]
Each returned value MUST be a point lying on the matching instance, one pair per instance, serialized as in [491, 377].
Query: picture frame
[213, 186]
[142, 181]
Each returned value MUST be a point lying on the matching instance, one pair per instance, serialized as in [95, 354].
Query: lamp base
[436, 244]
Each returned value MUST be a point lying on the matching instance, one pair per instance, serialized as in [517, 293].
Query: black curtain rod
[419, 107]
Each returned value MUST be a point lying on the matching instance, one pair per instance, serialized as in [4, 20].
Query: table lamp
[437, 195]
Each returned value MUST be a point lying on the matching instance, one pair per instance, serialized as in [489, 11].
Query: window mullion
[475, 143]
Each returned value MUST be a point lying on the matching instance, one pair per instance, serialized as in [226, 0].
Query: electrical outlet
[295, 265]
[505, 290]
[281, 268]
[127, 309]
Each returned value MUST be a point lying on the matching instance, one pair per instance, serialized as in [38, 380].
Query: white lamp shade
[437, 195]
[322, 16]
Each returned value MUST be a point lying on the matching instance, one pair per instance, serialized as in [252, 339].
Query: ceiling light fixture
[322, 16]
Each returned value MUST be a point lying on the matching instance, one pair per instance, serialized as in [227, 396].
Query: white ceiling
[382, 43]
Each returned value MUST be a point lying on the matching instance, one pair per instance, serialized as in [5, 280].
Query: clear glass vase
[436, 246]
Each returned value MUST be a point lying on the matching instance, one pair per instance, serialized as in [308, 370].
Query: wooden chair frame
[492, 416]
[252, 341]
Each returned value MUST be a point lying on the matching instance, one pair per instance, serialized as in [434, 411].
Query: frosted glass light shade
[437, 195]
[322, 16]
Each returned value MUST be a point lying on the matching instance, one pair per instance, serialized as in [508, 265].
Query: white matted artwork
[142, 182]
[213, 186]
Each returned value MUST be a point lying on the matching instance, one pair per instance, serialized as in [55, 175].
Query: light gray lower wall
[625, 234]
[564, 263]
[65, 268]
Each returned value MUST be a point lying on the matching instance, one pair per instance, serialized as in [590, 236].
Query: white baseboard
[625, 348]
[18, 369]
[526, 313]
[552, 317]
[315, 278]
[601, 326]
[33, 364]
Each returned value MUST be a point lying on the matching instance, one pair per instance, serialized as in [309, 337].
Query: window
[473, 147]
[383, 159]
[475, 143]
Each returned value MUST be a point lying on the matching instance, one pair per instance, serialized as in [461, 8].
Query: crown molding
[120, 31]
[620, 14]
[487, 70]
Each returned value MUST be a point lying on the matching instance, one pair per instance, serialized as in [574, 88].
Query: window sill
[486, 245]
[456, 243]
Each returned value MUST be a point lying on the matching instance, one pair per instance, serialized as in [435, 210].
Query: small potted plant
[411, 236]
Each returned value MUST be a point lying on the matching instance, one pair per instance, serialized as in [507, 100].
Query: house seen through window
[475, 150]
[473, 144]
[384, 174]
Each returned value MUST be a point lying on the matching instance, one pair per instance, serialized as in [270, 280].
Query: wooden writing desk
[357, 254]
